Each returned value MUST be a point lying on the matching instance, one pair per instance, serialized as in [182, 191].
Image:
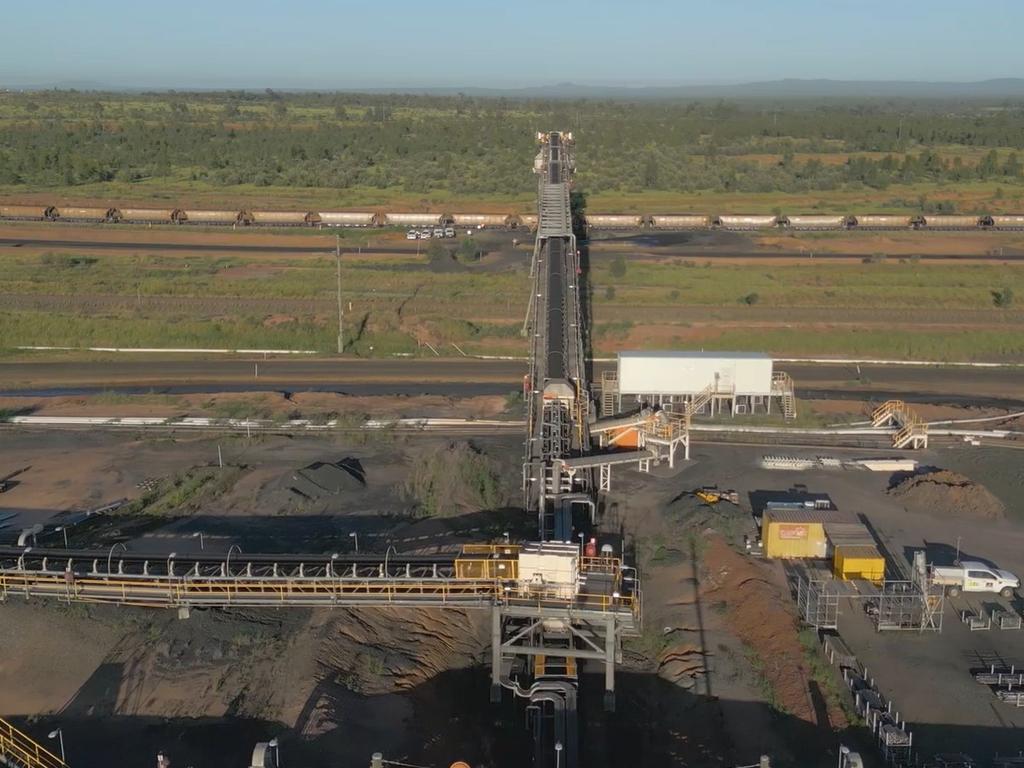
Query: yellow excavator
[711, 495]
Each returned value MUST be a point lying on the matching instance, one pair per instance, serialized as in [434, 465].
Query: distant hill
[995, 89]
[1009, 87]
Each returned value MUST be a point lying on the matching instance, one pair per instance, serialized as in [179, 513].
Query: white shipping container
[687, 373]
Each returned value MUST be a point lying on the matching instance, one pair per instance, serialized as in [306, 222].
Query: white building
[736, 382]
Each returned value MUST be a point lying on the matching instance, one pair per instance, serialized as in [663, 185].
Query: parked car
[412, 234]
[438, 232]
[424, 234]
[449, 231]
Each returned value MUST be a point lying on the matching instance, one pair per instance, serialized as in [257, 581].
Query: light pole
[558, 754]
[59, 735]
[202, 540]
[582, 536]
[341, 312]
[334, 558]
[843, 752]
[386, 553]
[277, 751]
[355, 536]
[63, 529]
[170, 563]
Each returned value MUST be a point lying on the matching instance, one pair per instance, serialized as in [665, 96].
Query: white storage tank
[1008, 221]
[414, 219]
[882, 221]
[747, 221]
[815, 221]
[148, 215]
[480, 219]
[681, 221]
[551, 568]
[614, 220]
[689, 373]
[347, 218]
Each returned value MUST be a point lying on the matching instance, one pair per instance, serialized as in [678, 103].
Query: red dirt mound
[948, 494]
[760, 615]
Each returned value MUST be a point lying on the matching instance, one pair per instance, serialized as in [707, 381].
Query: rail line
[617, 221]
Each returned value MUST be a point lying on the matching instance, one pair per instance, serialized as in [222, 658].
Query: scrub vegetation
[326, 149]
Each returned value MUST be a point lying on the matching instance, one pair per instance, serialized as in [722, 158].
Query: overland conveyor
[481, 576]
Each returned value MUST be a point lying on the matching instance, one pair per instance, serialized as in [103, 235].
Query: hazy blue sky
[322, 44]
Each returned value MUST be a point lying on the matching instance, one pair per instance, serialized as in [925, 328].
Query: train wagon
[147, 215]
[194, 216]
[746, 221]
[1007, 221]
[681, 221]
[882, 221]
[347, 219]
[285, 218]
[945, 221]
[77, 213]
[416, 219]
[614, 220]
[814, 221]
[24, 212]
[480, 219]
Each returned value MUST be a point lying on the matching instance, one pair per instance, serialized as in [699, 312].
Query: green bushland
[310, 149]
[186, 492]
[455, 480]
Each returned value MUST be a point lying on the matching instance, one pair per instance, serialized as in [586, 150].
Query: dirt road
[997, 387]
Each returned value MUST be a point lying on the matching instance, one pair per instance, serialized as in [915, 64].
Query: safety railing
[22, 751]
[164, 591]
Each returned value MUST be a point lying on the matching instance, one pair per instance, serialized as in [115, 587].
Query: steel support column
[609, 665]
[496, 654]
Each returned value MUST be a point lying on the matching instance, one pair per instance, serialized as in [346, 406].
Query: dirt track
[457, 377]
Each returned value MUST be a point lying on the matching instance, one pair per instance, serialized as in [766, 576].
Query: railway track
[114, 215]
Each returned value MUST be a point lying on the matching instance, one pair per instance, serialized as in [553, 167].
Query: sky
[502, 43]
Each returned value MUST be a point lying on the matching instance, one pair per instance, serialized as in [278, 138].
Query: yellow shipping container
[859, 563]
[797, 533]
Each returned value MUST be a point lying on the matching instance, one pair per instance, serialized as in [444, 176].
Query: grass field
[989, 197]
[400, 304]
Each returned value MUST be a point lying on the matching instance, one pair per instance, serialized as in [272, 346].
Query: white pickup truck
[973, 576]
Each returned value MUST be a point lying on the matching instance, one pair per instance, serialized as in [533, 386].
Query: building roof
[684, 354]
[858, 551]
[808, 515]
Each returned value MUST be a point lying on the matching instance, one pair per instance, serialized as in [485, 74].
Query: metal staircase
[18, 750]
[609, 392]
[699, 402]
[911, 430]
[782, 387]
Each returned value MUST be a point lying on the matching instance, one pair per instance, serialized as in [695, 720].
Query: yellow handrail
[22, 749]
[163, 590]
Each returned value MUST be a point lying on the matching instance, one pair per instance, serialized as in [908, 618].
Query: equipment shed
[798, 533]
[734, 382]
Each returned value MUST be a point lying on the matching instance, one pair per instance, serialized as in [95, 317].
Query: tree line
[469, 145]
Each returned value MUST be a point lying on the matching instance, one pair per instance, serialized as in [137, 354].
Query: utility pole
[341, 311]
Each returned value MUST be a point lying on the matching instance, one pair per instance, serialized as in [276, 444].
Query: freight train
[594, 221]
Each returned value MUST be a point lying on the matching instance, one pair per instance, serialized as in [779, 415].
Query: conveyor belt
[555, 260]
[117, 561]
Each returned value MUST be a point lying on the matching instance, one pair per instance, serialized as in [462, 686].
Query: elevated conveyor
[477, 577]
